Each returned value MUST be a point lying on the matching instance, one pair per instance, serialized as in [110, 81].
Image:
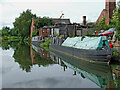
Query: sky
[72, 9]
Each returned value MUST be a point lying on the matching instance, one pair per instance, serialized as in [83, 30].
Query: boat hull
[97, 56]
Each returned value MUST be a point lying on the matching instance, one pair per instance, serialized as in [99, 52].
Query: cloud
[53, 0]
[73, 9]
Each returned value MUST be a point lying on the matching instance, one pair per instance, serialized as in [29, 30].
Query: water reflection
[29, 56]
[100, 74]
[26, 57]
[115, 82]
[40, 58]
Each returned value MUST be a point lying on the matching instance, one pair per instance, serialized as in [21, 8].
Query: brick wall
[43, 32]
[108, 11]
[110, 6]
[101, 15]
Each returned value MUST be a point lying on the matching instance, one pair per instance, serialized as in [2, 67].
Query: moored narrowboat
[91, 49]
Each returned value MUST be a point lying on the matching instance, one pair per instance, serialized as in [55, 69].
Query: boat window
[54, 41]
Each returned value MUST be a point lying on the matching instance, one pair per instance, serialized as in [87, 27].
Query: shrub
[87, 33]
[114, 52]
[46, 43]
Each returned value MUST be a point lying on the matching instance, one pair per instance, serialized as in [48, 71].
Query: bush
[114, 52]
[46, 43]
[87, 33]
[116, 55]
[35, 33]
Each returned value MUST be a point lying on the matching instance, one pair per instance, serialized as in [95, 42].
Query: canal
[29, 66]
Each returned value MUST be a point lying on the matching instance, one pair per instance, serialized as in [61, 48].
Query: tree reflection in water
[23, 56]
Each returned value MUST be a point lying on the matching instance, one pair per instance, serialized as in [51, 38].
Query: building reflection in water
[37, 51]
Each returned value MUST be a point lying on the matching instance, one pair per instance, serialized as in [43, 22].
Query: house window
[56, 31]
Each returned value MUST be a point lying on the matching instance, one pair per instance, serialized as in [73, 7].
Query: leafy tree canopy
[5, 31]
[101, 24]
[116, 19]
[22, 24]
[45, 21]
[13, 32]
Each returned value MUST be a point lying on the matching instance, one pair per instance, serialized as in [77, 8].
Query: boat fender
[109, 57]
[82, 38]
[82, 76]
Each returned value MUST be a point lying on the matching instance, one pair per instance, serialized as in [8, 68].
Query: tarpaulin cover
[86, 42]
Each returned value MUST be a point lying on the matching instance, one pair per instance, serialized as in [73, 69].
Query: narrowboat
[91, 49]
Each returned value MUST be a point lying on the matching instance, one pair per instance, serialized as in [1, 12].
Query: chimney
[32, 26]
[110, 6]
[84, 20]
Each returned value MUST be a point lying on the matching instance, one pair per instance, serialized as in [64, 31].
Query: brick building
[62, 27]
[110, 5]
[45, 31]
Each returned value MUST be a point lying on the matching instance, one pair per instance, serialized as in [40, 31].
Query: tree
[22, 24]
[101, 24]
[5, 45]
[45, 21]
[5, 31]
[91, 24]
[13, 32]
[116, 19]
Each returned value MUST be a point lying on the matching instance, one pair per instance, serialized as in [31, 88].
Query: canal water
[29, 66]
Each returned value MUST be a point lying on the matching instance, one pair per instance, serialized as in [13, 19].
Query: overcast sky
[73, 9]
